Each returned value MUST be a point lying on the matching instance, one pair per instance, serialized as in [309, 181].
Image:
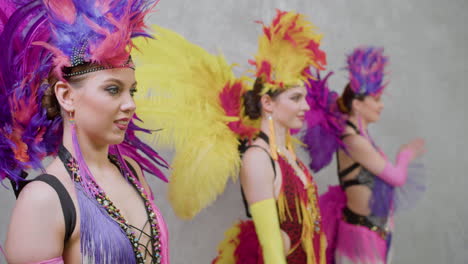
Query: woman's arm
[257, 179]
[362, 151]
[37, 226]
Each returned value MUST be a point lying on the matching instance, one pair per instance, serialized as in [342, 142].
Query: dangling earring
[289, 144]
[273, 148]
[86, 177]
[71, 117]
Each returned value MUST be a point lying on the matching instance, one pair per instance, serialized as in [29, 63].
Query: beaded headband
[77, 59]
[129, 64]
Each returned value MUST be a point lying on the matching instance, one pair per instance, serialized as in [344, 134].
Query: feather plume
[196, 102]
[286, 50]
[324, 122]
[40, 36]
[366, 67]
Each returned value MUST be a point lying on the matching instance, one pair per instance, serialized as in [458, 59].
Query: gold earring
[289, 144]
[273, 148]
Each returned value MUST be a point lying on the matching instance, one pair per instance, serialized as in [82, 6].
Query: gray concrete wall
[426, 42]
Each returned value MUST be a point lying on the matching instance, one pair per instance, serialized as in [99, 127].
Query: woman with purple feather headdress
[66, 86]
[358, 214]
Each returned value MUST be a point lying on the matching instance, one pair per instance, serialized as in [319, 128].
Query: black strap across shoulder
[348, 170]
[353, 126]
[265, 138]
[68, 208]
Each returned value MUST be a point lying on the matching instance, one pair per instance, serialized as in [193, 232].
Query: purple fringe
[387, 199]
[102, 239]
[409, 194]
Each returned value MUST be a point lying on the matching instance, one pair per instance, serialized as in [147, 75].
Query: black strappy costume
[366, 178]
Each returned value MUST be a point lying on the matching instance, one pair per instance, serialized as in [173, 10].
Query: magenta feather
[324, 123]
[38, 37]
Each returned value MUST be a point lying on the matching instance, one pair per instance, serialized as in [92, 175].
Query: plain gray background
[426, 41]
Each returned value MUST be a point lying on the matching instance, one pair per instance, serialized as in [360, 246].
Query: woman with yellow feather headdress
[206, 111]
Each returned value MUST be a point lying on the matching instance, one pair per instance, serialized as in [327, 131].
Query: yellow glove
[266, 222]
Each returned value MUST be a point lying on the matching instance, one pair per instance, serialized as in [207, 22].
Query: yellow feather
[179, 84]
[285, 45]
[227, 247]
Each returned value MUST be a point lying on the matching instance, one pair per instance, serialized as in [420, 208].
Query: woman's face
[104, 104]
[370, 108]
[289, 107]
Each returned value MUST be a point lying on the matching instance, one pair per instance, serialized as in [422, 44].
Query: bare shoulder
[37, 226]
[257, 175]
[257, 165]
[256, 158]
[356, 142]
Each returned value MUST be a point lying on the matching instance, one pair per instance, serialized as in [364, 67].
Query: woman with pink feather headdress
[358, 214]
[66, 85]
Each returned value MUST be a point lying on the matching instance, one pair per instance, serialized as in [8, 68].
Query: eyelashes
[115, 90]
[133, 91]
[296, 98]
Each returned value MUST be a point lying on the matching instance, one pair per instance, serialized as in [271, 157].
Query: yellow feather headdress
[286, 50]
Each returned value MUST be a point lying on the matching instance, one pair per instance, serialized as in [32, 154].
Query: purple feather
[24, 127]
[26, 134]
[132, 146]
[366, 67]
[324, 122]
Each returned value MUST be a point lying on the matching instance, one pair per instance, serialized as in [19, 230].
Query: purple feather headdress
[324, 123]
[366, 67]
[43, 36]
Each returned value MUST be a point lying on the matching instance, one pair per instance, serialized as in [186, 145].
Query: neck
[279, 131]
[95, 155]
[359, 122]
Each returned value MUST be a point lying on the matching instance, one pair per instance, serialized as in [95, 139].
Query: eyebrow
[119, 82]
[297, 93]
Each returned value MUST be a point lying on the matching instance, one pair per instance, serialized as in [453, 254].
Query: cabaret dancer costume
[355, 238]
[205, 103]
[44, 38]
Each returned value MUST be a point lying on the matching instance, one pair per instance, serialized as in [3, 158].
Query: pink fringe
[331, 205]
[348, 243]
[358, 244]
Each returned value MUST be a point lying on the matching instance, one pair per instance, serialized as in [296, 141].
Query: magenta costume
[354, 238]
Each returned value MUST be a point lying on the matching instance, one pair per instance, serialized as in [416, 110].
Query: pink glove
[396, 175]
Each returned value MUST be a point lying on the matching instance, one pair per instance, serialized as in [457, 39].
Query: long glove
[396, 175]
[265, 217]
